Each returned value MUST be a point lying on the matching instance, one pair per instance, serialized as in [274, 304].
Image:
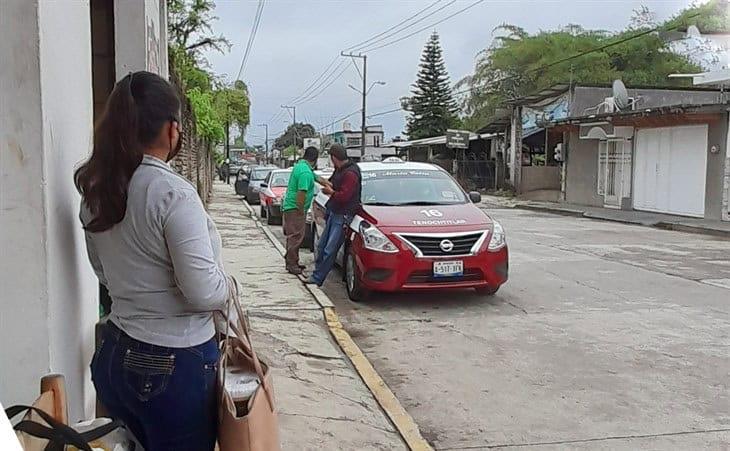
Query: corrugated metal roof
[436, 140]
[668, 109]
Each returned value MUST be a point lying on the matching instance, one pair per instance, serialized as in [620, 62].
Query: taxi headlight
[499, 239]
[375, 240]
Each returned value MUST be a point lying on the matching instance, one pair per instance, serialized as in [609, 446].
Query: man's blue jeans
[330, 241]
[165, 396]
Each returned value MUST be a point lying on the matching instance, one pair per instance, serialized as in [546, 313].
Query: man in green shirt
[299, 195]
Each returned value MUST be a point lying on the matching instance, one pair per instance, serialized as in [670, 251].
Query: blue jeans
[330, 241]
[165, 396]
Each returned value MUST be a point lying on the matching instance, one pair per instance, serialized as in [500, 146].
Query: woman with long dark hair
[156, 250]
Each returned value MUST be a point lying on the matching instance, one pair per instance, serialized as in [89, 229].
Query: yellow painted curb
[401, 419]
[403, 422]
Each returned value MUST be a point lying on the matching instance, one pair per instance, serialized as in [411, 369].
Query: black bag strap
[58, 434]
[101, 431]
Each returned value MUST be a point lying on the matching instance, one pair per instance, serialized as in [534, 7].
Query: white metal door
[670, 170]
[614, 171]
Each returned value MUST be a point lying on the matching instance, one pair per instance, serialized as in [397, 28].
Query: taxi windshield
[410, 187]
[260, 173]
[280, 179]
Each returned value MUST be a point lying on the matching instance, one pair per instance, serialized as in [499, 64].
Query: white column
[726, 177]
[48, 297]
[516, 148]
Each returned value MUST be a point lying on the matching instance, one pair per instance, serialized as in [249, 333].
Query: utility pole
[228, 140]
[228, 132]
[266, 126]
[294, 113]
[364, 96]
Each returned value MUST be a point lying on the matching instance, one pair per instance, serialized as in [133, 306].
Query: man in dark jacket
[341, 207]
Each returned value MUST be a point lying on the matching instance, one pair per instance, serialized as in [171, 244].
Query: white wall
[140, 43]
[67, 141]
[24, 352]
[48, 296]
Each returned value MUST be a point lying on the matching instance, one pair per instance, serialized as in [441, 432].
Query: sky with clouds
[298, 39]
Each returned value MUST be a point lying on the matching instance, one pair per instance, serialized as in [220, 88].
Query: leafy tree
[714, 17]
[232, 104]
[518, 63]
[190, 26]
[191, 75]
[206, 118]
[294, 136]
[432, 106]
[290, 151]
[215, 103]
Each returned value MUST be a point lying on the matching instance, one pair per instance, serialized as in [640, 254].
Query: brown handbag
[250, 422]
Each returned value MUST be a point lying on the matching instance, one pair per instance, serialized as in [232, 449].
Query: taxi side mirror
[475, 197]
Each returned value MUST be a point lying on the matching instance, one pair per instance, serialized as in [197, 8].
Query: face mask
[173, 152]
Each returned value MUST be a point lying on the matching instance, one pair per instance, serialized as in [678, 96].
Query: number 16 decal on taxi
[417, 229]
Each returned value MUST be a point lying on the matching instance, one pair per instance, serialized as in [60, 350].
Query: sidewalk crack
[360, 403]
[585, 440]
[312, 355]
[351, 420]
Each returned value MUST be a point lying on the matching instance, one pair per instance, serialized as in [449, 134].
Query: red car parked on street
[418, 229]
[272, 193]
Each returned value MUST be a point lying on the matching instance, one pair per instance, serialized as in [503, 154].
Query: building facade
[665, 159]
[556, 151]
[374, 136]
[60, 60]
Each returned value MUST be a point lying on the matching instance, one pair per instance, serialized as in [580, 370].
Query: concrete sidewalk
[323, 403]
[659, 220]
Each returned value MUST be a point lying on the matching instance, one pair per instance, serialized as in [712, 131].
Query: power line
[308, 93]
[560, 61]
[423, 29]
[324, 88]
[383, 113]
[324, 80]
[341, 66]
[341, 119]
[356, 68]
[419, 12]
[251, 37]
[308, 88]
[384, 38]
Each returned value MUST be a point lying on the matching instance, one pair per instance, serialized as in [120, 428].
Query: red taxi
[418, 229]
[272, 193]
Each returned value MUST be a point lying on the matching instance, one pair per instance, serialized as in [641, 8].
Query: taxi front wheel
[355, 291]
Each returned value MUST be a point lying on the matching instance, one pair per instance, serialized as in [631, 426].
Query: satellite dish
[693, 32]
[620, 95]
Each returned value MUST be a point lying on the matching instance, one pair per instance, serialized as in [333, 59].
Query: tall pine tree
[432, 106]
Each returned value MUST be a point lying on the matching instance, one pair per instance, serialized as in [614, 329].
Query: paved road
[607, 336]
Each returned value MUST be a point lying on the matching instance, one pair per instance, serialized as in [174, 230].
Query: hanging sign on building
[457, 139]
[311, 142]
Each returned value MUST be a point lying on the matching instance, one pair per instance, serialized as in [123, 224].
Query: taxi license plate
[448, 268]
